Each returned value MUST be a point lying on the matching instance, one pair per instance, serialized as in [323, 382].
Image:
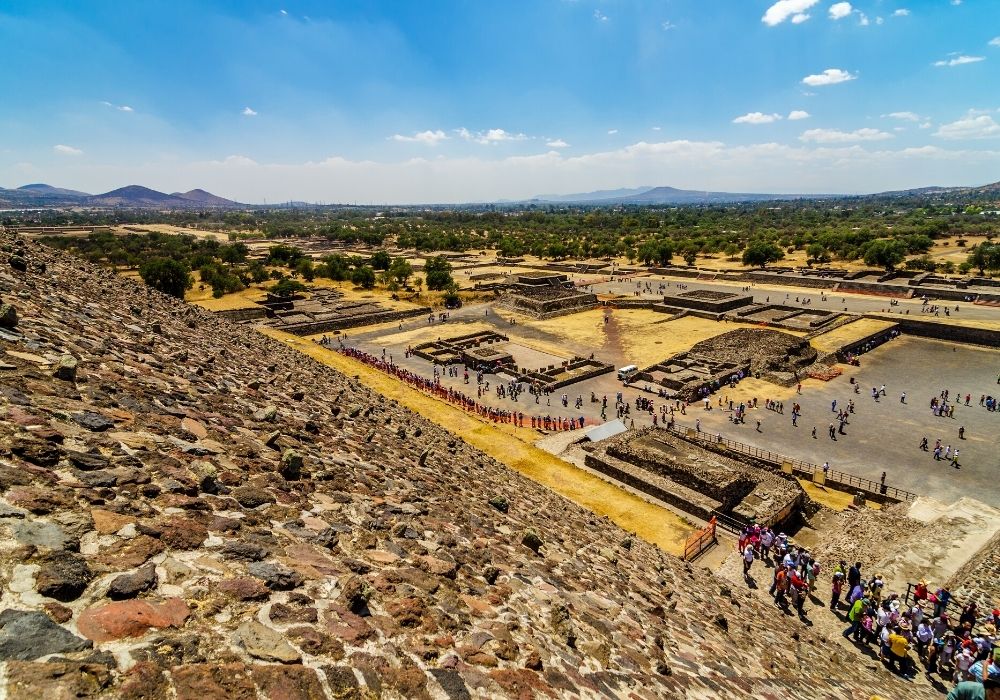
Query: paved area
[884, 435]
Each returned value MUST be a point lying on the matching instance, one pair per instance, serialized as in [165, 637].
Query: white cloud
[428, 138]
[863, 20]
[786, 9]
[797, 114]
[840, 10]
[970, 127]
[836, 136]
[926, 125]
[959, 60]
[800, 17]
[125, 108]
[901, 12]
[557, 143]
[284, 12]
[600, 16]
[667, 26]
[831, 76]
[956, 2]
[612, 132]
[903, 116]
[879, 20]
[247, 112]
[120, 108]
[995, 41]
[65, 150]
[656, 128]
[757, 118]
[490, 136]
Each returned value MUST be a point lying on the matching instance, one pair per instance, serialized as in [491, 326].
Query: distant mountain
[595, 196]
[990, 192]
[43, 189]
[205, 198]
[670, 195]
[139, 197]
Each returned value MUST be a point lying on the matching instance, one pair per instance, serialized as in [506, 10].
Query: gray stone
[291, 465]
[452, 684]
[263, 643]
[131, 585]
[276, 576]
[8, 511]
[251, 496]
[27, 635]
[93, 421]
[40, 534]
[87, 461]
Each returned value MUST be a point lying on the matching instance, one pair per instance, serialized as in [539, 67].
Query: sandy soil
[849, 332]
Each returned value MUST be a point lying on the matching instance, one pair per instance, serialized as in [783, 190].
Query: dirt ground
[856, 330]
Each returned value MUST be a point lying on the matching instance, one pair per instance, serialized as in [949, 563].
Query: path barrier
[700, 540]
[846, 481]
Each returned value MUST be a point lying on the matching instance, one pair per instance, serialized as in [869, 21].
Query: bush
[437, 273]
[364, 277]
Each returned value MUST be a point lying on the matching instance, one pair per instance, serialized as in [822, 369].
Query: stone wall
[240, 315]
[979, 578]
[946, 331]
[356, 321]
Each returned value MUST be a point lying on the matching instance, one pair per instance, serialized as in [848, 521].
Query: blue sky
[439, 101]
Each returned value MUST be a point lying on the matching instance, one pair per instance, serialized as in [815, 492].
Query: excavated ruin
[192, 510]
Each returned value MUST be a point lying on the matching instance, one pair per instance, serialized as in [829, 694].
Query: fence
[954, 608]
[700, 540]
[843, 479]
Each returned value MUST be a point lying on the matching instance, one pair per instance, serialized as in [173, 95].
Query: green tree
[760, 253]
[400, 270]
[305, 268]
[167, 275]
[885, 253]
[364, 277]
[234, 254]
[816, 253]
[985, 256]
[286, 287]
[437, 271]
[381, 260]
[690, 256]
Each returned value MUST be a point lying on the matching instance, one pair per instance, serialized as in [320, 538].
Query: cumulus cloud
[667, 26]
[64, 150]
[120, 108]
[490, 136]
[428, 138]
[959, 61]
[557, 143]
[247, 112]
[797, 114]
[901, 12]
[831, 76]
[837, 136]
[757, 118]
[903, 116]
[970, 126]
[995, 41]
[840, 10]
[787, 9]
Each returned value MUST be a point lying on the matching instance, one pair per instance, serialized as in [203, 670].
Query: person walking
[747, 559]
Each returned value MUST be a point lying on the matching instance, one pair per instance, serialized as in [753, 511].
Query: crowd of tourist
[435, 388]
[921, 629]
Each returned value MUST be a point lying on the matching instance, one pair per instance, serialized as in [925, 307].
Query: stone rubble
[192, 510]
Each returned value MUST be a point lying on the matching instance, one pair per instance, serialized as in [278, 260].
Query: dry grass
[509, 446]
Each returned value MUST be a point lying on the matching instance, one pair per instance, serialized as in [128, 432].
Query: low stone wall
[547, 308]
[793, 280]
[338, 324]
[945, 331]
[979, 578]
[888, 290]
[239, 315]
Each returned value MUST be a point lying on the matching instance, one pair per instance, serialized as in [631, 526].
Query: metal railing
[777, 459]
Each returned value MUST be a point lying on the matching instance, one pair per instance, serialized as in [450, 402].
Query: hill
[669, 195]
[43, 189]
[142, 197]
[195, 510]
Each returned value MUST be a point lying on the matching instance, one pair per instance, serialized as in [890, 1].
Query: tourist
[837, 588]
[973, 690]
[747, 559]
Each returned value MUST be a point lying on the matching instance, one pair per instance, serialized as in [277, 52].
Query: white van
[627, 371]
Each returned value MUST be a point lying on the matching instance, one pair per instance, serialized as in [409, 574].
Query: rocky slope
[191, 510]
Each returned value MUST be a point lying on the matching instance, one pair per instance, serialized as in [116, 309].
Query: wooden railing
[842, 478]
[700, 540]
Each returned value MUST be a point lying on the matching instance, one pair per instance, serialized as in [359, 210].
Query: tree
[286, 287]
[235, 253]
[760, 253]
[437, 272]
[816, 253]
[364, 277]
[985, 256]
[731, 250]
[305, 268]
[380, 261]
[400, 270]
[167, 275]
[690, 256]
[885, 253]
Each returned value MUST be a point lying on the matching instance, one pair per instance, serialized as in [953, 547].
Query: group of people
[467, 403]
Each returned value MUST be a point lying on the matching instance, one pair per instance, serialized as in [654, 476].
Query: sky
[440, 101]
